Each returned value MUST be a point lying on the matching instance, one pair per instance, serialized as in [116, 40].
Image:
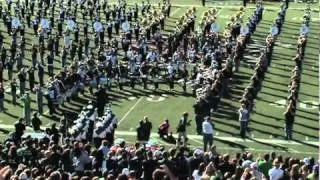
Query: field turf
[267, 121]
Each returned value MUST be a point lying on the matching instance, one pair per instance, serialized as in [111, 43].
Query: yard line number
[309, 105]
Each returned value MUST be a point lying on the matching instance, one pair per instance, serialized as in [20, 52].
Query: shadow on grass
[4, 131]
[306, 144]
[277, 118]
[11, 115]
[275, 146]
[232, 144]
[271, 94]
[295, 131]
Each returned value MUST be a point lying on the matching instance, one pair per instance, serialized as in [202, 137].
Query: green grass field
[266, 123]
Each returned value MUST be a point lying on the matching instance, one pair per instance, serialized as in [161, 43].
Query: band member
[28, 18]
[107, 13]
[109, 30]
[274, 30]
[133, 74]
[148, 32]
[144, 75]
[101, 37]
[137, 31]
[96, 39]
[158, 41]
[155, 74]
[15, 23]
[125, 45]
[35, 25]
[184, 75]
[122, 74]
[117, 25]
[171, 73]
[60, 27]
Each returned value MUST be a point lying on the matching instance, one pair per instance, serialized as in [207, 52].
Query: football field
[267, 121]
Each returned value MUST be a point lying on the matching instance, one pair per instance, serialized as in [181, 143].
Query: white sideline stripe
[236, 149]
[290, 149]
[234, 139]
[257, 150]
[130, 110]
[165, 143]
[195, 140]
[195, 137]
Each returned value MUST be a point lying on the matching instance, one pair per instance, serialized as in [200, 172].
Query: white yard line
[219, 11]
[195, 140]
[130, 110]
[175, 11]
[46, 113]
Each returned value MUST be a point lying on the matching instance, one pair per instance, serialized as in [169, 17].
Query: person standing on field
[289, 121]
[207, 132]
[26, 108]
[182, 129]
[243, 118]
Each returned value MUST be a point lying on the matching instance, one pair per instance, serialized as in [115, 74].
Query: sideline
[231, 139]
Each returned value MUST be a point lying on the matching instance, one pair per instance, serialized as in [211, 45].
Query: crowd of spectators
[44, 159]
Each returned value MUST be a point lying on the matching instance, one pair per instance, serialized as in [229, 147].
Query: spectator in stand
[315, 173]
[5, 172]
[148, 166]
[211, 172]
[197, 173]
[276, 172]
[195, 160]
[265, 164]
[256, 173]
[225, 166]
[81, 159]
